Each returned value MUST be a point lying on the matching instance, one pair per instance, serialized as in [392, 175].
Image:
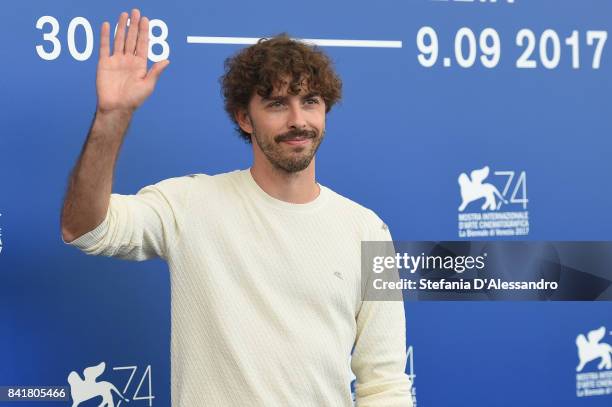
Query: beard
[287, 158]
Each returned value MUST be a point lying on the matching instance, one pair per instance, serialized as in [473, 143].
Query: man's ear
[244, 120]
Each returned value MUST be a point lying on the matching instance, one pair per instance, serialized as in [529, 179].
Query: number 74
[520, 186]
[147, 374]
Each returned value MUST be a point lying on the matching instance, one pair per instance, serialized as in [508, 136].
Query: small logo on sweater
[339, 275]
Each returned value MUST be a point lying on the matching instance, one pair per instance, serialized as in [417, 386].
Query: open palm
[122, 81]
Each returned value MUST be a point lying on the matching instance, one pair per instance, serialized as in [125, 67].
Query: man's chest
[306, 261]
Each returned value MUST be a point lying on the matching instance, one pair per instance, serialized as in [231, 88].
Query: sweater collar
[255, 190]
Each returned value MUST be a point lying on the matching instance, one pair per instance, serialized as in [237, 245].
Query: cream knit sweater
[266, 302]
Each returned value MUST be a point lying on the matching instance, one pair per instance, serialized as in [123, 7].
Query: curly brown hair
[263, 66]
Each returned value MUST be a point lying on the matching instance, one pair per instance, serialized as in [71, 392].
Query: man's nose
[296, 118]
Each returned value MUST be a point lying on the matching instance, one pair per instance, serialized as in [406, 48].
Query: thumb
[157, 69]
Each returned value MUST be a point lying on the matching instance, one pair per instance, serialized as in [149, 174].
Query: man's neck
[298, 187]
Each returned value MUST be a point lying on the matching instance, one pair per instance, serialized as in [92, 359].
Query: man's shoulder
[349, 207]
[197, 180]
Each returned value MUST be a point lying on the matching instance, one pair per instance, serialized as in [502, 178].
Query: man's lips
[297, 141]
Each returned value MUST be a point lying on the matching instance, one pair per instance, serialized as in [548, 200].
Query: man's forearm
[91, 180]
[123, 83]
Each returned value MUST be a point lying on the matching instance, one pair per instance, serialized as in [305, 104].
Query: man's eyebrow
[311, 95]
[270, 98]
[265, 99]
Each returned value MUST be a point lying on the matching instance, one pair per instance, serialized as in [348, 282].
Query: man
[265, 262]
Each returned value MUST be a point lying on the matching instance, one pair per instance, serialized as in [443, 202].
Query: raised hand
[123, 82]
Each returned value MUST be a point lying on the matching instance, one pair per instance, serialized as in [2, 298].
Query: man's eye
[311, 101]
[275, 104]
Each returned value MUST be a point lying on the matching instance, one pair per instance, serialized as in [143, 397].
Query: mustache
[295, 134]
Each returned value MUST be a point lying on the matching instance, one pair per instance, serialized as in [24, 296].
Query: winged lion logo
[87, 388]
[591, 348]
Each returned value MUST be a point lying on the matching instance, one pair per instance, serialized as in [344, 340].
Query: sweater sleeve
[379, 354]
[136, 227]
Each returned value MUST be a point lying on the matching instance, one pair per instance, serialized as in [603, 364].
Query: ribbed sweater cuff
[92, 237]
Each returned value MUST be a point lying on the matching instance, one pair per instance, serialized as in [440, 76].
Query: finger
[142, 46]
[105, 40]
[120, 34]
[130, 42]
[156, 70]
